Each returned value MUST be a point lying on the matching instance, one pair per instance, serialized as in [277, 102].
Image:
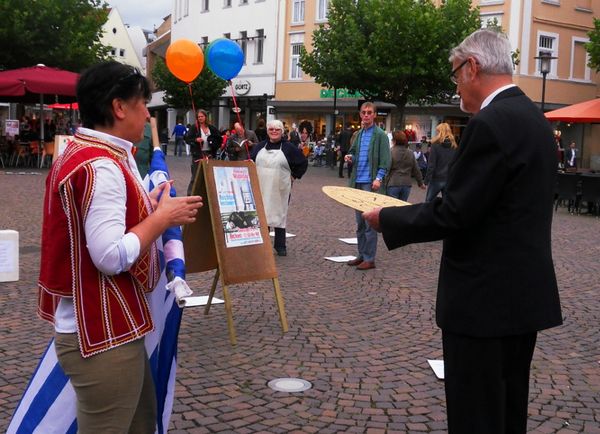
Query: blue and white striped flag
[48, 405]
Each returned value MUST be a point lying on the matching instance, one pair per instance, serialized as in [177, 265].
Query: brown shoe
[354, 262]
[366, 265]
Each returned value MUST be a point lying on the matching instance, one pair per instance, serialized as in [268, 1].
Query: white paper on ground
[287, 234]
[340, 258]
[438, 368]
[201, 300]
[349, 240]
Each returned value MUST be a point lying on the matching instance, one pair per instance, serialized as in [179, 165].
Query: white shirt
[492, 95]
[111, 249]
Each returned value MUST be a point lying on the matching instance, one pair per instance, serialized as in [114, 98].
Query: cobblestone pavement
[361, 338]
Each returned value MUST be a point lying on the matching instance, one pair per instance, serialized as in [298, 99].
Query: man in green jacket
[370, 157]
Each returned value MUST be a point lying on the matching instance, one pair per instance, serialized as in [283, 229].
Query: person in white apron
[277, 163]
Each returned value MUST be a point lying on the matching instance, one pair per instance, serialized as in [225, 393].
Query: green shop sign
[341, 93]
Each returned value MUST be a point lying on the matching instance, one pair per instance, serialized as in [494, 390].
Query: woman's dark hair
[100, 84]
[399, 138]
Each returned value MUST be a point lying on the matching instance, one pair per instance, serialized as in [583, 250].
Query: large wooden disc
[359, 199]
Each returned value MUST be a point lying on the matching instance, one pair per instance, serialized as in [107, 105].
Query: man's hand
[372, 218]
[376, 185]
[154, 195]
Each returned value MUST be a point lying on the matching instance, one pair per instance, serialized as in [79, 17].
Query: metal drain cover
[289, 385]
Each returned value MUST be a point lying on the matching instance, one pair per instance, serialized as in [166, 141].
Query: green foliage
[205, 88]
[63, 34]
[593, 47]
[391, 50]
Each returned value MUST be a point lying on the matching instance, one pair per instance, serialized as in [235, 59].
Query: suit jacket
[568, 156]
[496, 274]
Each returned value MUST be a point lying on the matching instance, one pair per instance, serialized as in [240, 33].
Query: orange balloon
[185, 59]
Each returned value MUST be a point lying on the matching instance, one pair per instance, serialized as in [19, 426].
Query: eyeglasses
[274, 129]
[455, 70]
[366, 112]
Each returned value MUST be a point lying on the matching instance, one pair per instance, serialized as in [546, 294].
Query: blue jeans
[433, 189]
[179, 146]
[367, 237]
[399, 191]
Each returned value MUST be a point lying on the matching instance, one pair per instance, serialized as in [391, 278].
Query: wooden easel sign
[230, 234]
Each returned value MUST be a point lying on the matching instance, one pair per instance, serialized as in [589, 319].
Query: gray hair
[275, 123]
[490, 48]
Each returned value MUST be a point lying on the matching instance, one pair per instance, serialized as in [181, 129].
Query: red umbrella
[27, 84]
[584, 112]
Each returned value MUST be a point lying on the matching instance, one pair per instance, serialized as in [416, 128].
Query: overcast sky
[143, 13]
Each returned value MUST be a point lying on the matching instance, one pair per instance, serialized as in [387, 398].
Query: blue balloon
[225, 58]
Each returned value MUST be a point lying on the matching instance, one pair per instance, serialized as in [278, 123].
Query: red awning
[59, 106]
[583, 112]
[27, 83]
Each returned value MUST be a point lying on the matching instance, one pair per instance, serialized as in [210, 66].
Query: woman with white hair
[278, 162]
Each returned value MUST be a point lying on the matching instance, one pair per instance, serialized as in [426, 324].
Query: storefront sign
[242, 87]
[341, 93]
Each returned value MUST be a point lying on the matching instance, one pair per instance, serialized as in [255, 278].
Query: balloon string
[194, 110]
[237, 112]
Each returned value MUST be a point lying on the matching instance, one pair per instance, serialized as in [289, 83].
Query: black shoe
[281, 252]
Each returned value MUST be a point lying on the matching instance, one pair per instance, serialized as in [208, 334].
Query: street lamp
[545, 66]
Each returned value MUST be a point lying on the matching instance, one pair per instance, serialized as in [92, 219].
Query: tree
[593, 47]
[392, 50]
[63, 34]
[205, 88]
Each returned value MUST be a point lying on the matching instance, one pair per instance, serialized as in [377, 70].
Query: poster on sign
[11, 127]
[237, 206]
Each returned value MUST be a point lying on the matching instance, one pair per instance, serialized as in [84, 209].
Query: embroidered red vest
[109, 310]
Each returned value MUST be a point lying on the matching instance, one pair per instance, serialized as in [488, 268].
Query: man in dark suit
[497, 287]
[343, 144]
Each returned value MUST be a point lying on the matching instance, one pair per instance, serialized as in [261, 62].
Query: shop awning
[583, 112]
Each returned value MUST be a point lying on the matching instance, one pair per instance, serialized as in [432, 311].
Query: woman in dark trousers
[442, 152]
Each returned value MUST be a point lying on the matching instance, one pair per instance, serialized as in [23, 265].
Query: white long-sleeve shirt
[111, 249]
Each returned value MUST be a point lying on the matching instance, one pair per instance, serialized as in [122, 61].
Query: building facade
[126, 44]
[253, 25]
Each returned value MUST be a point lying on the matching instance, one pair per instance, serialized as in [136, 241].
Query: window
[244, 43]
[322, 6]
[579, 60]
[122, 52]
[204, 42]
[186, 8]
[547, 43]
[585, 5]
[113, 51]
[227, 3]
[243, 2]
[227, 35]
[260, 45]
[204, 6]
[297, 11]
[296, 47]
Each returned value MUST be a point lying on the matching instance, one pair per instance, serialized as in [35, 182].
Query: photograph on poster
[237, 206]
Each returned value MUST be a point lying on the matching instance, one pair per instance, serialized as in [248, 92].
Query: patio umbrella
[583, 112]
[32, 83]
[59, 106]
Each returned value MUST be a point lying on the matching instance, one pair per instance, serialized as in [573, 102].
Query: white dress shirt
[111, 249]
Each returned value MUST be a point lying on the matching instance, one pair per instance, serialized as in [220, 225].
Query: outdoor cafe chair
[590, 192]
[567, 189]
[47, 151]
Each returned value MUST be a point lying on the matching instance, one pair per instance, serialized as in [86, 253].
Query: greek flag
[48, 404]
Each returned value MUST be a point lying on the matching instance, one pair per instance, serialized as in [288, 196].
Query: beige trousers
[114, 389]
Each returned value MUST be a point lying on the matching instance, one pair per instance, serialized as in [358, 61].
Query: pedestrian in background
[398, 181]
[278, 163]
[370, 157]
[443, 150]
